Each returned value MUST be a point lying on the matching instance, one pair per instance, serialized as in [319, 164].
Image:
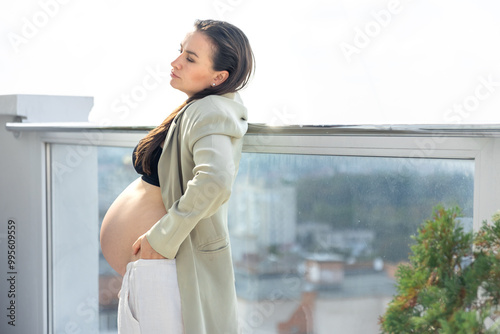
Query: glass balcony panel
[74, 239]
[315, 238]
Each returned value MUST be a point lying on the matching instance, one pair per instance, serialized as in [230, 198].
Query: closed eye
[188, 58]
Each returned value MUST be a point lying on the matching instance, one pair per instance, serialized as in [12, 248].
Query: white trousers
[149, 299]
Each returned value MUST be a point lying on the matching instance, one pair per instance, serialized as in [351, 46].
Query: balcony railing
[319, 217]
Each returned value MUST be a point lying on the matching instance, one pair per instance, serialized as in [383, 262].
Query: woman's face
[192, 71]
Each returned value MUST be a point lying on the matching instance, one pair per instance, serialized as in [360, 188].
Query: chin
[177, 87]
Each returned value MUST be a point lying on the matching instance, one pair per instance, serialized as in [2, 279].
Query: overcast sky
[318, 61]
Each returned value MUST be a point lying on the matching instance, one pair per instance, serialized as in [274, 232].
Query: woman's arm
[212, 132]
[205, 193]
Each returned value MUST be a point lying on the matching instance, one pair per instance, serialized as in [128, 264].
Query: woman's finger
[148, 252]
[137, 245]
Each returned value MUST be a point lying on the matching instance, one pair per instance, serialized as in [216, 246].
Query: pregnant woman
[166, 233]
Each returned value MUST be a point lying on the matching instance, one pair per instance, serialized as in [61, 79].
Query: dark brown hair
[231, 53]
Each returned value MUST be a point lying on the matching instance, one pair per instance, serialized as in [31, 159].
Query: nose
[176, 63]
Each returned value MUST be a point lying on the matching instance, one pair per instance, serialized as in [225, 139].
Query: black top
[153, 177]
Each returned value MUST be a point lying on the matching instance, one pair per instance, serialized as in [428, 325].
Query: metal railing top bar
[72, 127]
[462, 130]
[452, 130]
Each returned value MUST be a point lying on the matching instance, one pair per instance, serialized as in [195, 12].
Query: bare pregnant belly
[131, 215]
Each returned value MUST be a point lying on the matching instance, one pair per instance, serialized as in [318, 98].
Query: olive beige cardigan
[197, 168]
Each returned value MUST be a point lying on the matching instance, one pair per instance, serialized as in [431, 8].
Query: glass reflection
[316, 239]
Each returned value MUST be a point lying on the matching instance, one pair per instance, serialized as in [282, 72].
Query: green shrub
[452, 283]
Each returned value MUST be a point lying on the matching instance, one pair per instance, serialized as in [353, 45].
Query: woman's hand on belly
[141, 249]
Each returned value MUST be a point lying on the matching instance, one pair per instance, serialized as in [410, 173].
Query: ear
[220, 77]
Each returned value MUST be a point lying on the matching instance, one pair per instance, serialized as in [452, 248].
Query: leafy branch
[452, 282]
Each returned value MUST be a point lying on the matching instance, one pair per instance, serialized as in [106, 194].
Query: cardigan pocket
[214, 246]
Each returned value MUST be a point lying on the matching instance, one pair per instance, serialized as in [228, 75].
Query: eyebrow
[190, 52]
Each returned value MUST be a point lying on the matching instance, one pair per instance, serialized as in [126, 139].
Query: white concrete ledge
[46, 108]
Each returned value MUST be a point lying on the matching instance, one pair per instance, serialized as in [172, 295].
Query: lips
[173, 75]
